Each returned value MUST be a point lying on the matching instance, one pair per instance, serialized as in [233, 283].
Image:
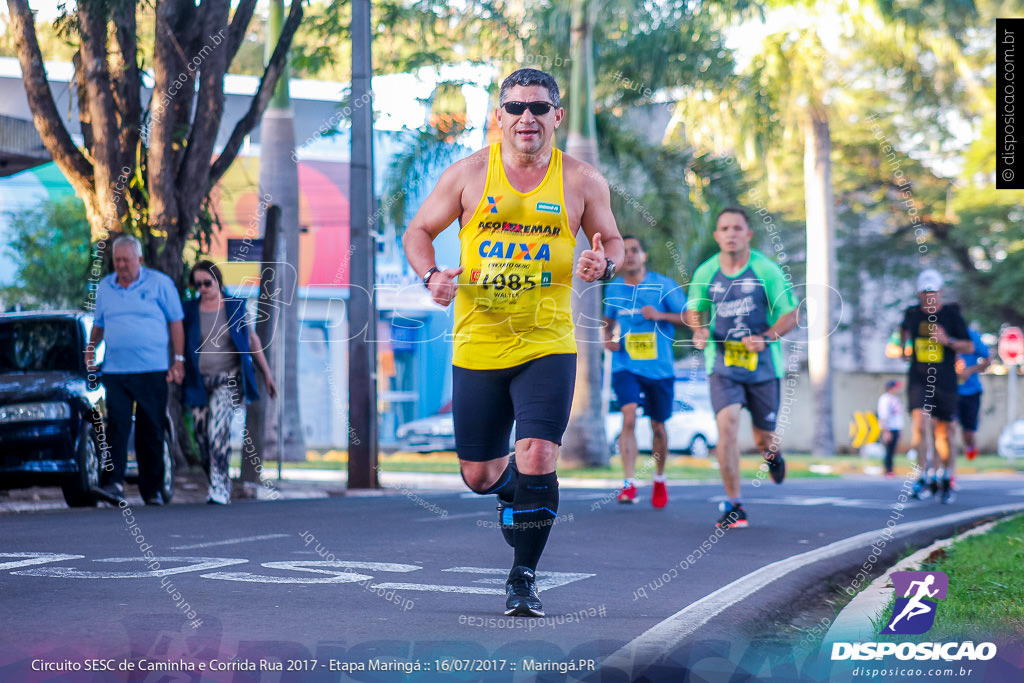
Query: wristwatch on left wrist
[178, 358]
[609, 269]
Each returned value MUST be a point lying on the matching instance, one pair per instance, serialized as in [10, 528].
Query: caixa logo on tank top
[918, 596]
[516, 251]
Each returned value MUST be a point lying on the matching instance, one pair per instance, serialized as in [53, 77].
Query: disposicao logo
[917, 600]
[917, 594]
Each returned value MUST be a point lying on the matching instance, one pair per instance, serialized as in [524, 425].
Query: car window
[39, 345]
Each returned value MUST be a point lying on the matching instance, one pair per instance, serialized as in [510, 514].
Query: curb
[853, 623]
[671, 633]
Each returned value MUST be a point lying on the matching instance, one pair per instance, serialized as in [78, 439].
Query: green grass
[986, 587]
[679, 467]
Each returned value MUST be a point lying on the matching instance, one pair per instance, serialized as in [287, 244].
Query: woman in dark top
[221, 350]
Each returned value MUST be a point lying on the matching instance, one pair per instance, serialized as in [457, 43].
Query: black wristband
[426, 276]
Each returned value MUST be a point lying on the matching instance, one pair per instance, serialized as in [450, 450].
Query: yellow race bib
[927, 350]
[508, 286]
[642, 346]
[736, 354]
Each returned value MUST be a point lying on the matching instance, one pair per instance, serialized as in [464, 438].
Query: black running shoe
[733, 516]
[505, 521]
[933, 486]
[776, 466]
[521, 594]
[947, 493]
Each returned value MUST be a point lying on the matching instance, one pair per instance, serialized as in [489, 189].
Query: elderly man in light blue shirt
[138, 314]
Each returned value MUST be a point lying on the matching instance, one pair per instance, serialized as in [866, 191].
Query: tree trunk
[584, 443]
[820, 269]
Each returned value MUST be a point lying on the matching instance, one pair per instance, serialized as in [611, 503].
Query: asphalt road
[336, 588]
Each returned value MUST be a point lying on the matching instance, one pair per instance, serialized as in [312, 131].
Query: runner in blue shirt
[645, 306]
[968, 367]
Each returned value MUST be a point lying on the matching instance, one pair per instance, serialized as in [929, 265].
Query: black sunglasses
[203, 283]
[536, 108]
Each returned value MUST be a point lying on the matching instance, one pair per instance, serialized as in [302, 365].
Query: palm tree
[279, 185]
[584, 442]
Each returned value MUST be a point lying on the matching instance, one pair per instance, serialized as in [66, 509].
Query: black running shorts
[760, 398]
[968, 406]
[537, 395]
[933, 399]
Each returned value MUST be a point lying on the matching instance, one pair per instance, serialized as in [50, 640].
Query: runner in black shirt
[936, 333]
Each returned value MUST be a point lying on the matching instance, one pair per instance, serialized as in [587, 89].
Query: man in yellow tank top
[519, 204]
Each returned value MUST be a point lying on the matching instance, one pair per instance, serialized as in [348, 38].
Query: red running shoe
[659, 498]
[628, 494]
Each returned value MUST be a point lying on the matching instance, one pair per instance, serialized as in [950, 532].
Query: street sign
[864, 429]
[1011, 346]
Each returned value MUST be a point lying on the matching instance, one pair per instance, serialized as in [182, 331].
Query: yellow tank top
[514, 300]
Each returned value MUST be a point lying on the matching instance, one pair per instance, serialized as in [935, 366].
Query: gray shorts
[760, 398]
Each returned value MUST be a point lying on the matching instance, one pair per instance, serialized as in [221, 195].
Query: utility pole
[362, 308]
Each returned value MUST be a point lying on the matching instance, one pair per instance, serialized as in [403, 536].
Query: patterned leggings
[213, 431]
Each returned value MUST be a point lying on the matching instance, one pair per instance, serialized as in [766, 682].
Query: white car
[691, 429]
[1011, 441]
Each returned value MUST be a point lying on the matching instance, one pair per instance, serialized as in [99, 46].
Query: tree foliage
[408, 35]
[50, 248]
[147, 167]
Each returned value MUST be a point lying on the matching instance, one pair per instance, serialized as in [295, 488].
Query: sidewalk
[190, 485]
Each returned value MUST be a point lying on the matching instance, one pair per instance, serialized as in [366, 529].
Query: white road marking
[440, 588]
[803, 501]
[316, 567]
[661, 639]
[197, 564]
[35, 558]
[545, 581]
[230, 541]
[336, 571]
[463, 515]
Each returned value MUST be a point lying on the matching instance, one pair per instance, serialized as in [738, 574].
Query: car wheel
[76, 488]
[699, 447]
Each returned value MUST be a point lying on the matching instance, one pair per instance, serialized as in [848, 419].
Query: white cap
[929, 281]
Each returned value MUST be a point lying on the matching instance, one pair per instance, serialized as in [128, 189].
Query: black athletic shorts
[760, 398]
[537, 395]
[967, 408]
[933, 399]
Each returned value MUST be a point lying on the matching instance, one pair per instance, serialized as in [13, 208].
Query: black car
[52, 410]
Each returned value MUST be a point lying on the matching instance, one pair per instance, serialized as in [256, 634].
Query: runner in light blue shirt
[646, 306]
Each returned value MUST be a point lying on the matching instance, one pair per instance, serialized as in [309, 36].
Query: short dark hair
[526, 77]
[643, 247]
[206, 267]
[733, 209]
